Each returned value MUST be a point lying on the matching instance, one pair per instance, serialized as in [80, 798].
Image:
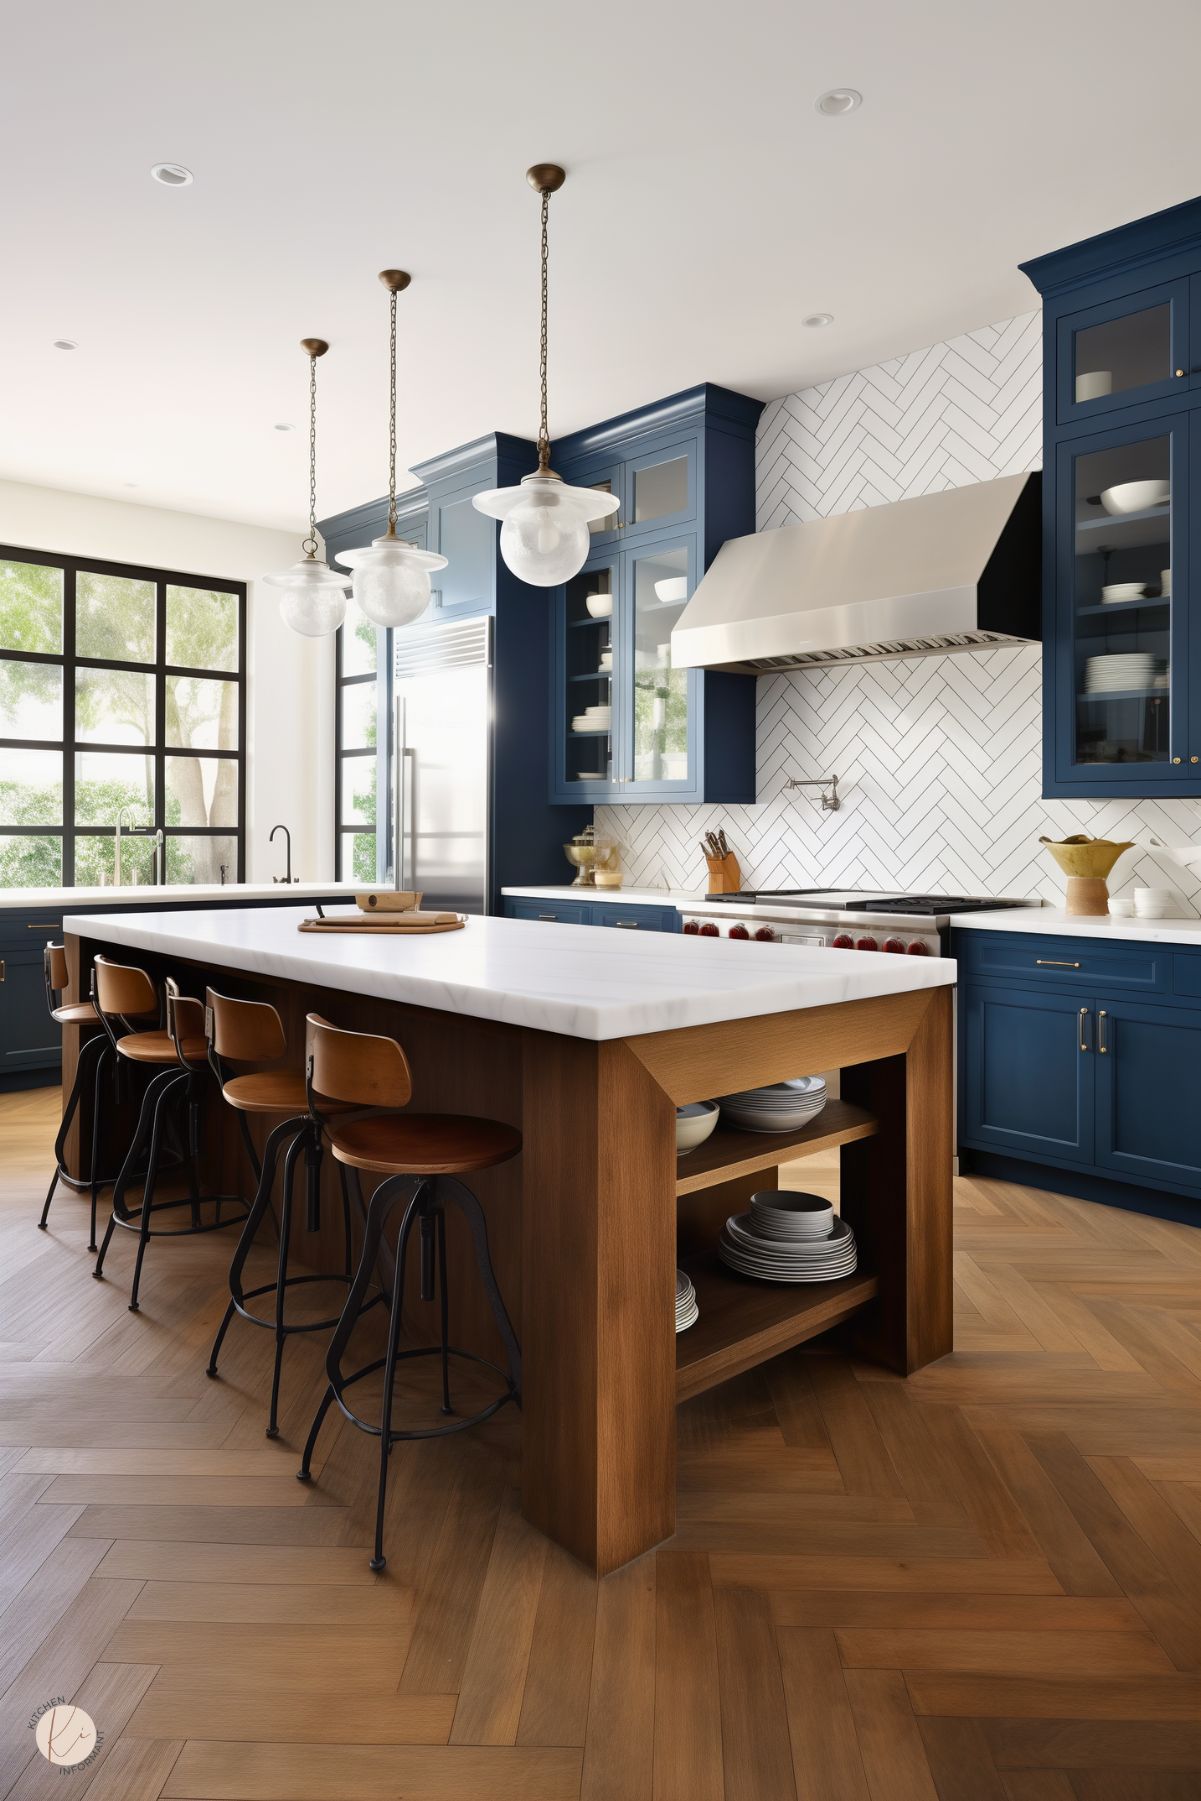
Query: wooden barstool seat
[179, 1058]
[425, 1153]
[75, 1013]
[241, 1032]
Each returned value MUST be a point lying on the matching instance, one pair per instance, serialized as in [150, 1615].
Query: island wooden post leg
[897, 1191]
[598, 1300]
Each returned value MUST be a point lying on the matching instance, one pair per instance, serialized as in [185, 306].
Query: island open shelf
[729, 1152]
[743, 1322]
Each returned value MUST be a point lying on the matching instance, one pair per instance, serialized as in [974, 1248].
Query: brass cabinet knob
[1195, 759]
[1176, 759]
[1181, 372]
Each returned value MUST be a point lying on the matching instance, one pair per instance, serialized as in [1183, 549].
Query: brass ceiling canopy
[314, 346]
[395, 280]
[546, 178]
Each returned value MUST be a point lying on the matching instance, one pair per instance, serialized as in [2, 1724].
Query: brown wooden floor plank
[1095, 1744]
[448, 1594]
[136, 1771]
[688, 1743]
[619, 1746]
[1022, 1653]
[1065, 1695]
[493, 1681]
[826, 1764]
[859, 1450]
[960, 1761]
[150, 1560]
[110, 1693]
[554, 1707]
[954, 1612]
[215, 1525]
[187, 1702]
[890, 1743]
[1058, 1533]
[986, 1576]
[43, 1598]
[208, 1771]
[754, 1714]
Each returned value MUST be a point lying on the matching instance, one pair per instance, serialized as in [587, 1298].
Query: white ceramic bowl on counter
[1157, 903]
[1121, 907]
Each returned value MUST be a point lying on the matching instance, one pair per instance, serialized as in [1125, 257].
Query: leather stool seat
[268, 1091]
[76, 1013]
[159, 1047]
[423, 1144]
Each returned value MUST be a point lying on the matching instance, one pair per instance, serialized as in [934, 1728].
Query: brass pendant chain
[309, 546]
[392, 419]
[543, 432]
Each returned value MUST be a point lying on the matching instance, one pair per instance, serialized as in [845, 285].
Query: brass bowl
[1084, 856]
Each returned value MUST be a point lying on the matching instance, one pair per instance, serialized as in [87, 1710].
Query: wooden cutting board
[413, 925]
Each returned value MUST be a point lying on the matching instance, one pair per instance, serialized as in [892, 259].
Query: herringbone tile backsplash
[939, 759]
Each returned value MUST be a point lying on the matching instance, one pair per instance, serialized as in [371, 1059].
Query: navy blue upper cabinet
[625, 725]
[1121, 509]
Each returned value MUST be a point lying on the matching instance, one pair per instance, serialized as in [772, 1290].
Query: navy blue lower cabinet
[552, 912]
[1027, 1083]
[629, 916]
[30, 1042]
[1148, 1123]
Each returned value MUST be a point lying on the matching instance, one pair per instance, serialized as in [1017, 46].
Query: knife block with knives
[725, 877]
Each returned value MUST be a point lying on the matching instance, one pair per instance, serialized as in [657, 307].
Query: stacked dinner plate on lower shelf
[788, 1237]
[1135, 669]
[687, 1311]
[780, 1107]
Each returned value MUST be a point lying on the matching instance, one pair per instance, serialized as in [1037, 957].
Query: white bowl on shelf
[694, 1123]
[672, 589]
[1091, 384]
[1135, 497]
[600, 606]
[1118, 591]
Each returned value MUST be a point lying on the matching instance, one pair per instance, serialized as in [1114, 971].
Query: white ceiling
[709, 208]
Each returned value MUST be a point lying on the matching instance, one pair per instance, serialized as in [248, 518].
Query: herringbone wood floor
[983, 1584]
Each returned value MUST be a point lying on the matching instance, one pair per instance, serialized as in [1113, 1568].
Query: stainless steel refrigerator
[441, 762]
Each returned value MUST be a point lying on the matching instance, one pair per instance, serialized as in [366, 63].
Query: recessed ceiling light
[65, 344]
[172, 175]
[284, 426]
[836, 101]
[819, 319]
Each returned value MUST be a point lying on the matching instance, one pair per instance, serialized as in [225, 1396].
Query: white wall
[290, 709]
[939, 759]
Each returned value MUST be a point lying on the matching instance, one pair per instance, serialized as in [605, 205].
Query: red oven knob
[894, 945]
[842, 942]
[709, 930]
[766, 935]
[692, 925]
[918, 949]
[866, 943]
[739, 932]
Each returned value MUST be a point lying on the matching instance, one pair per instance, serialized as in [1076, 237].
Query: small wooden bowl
[388, 900]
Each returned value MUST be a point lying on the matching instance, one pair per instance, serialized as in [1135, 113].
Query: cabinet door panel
[468, 538]
[1027, 1084]
[584, 750]
[1148, 1122]
[660, 488]
[29, 1038]
[657, 705]
[1123, 352]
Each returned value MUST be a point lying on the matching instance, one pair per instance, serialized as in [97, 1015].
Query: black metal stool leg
[444, 1310]
[468, 1204]
[411, 1212]
[156, 1138]
[265, 1171]
[285, 1234]
[145, 1117]
[91, 1046]
[101, 1065]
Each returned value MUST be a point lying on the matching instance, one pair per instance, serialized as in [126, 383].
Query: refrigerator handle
[409, 816]
[398, 796]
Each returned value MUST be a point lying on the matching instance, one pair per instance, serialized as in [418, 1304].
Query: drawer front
[20, 930]
[574, 913]
[1075, 962]
[630, 918]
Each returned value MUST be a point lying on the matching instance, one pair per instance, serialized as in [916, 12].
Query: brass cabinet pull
[551, 917]
[1053, 963]
[41, 926]
[626, 925]
[1102, 1047]
[1084, 1044]
[2, 970]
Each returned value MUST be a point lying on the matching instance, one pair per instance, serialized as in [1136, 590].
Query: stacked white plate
[789, 1237]
[1129, 669]
[593, 719]
[687, 1311]
[779, 1107]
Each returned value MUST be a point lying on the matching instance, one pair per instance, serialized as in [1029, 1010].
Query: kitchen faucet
[124, 817]
[287, 876]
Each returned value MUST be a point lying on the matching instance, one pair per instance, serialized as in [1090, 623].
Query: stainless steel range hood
[957, 570]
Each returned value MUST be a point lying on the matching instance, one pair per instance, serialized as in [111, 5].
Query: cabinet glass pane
[588, 702]
[31, 700]
[201, 715]
[358, 790]
[1122, 603]
[114, 706]
[1130, 352]
[206, 860]
[660, 692]
[29, 862]
[202, 628]
[31, 608]
[605, 524]
[661, 489]
[114, 617]
[106, 781]
[31, 787]
[201, 791]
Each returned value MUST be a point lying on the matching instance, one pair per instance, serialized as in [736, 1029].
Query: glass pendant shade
[544, 536]
[313, 601]
[391, 579]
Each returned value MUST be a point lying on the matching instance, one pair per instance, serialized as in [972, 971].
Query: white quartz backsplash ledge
[570, 979]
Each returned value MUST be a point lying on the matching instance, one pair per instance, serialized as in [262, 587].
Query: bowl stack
[788, 1237]
[780, 1107]
[687, 1311]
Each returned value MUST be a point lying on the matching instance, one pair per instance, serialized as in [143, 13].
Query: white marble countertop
[635, 897]
[140, 896]
[554, 978]
[1054, 922]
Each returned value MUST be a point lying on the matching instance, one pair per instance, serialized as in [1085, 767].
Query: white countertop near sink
[16, 899]
[634, 897]
[1053, 921]
[555, 978]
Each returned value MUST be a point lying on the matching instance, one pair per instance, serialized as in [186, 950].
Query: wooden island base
[588, 1226]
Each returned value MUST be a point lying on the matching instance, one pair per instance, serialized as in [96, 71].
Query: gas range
[845, 919]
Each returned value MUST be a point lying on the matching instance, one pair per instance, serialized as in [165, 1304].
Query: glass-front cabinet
[654, 696]
[1123, 352]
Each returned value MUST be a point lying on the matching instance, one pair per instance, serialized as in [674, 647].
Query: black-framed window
[121, 687]
[361, 730]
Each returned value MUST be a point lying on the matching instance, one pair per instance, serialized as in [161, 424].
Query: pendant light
[392, 578]
[313, 601]
[544, 535]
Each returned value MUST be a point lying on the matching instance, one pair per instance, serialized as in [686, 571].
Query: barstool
[91, 1052]
[242, 1033]
[178, 1054]
[371, 1074]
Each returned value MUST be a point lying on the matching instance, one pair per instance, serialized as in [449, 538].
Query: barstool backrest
[356, 1067]
[54, 964]
[185, 1019]
[243, 1031]
[123, 990]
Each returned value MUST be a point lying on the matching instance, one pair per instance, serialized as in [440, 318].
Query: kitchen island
[588, 1041]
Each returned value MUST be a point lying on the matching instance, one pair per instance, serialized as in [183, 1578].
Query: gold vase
[1086, 862]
